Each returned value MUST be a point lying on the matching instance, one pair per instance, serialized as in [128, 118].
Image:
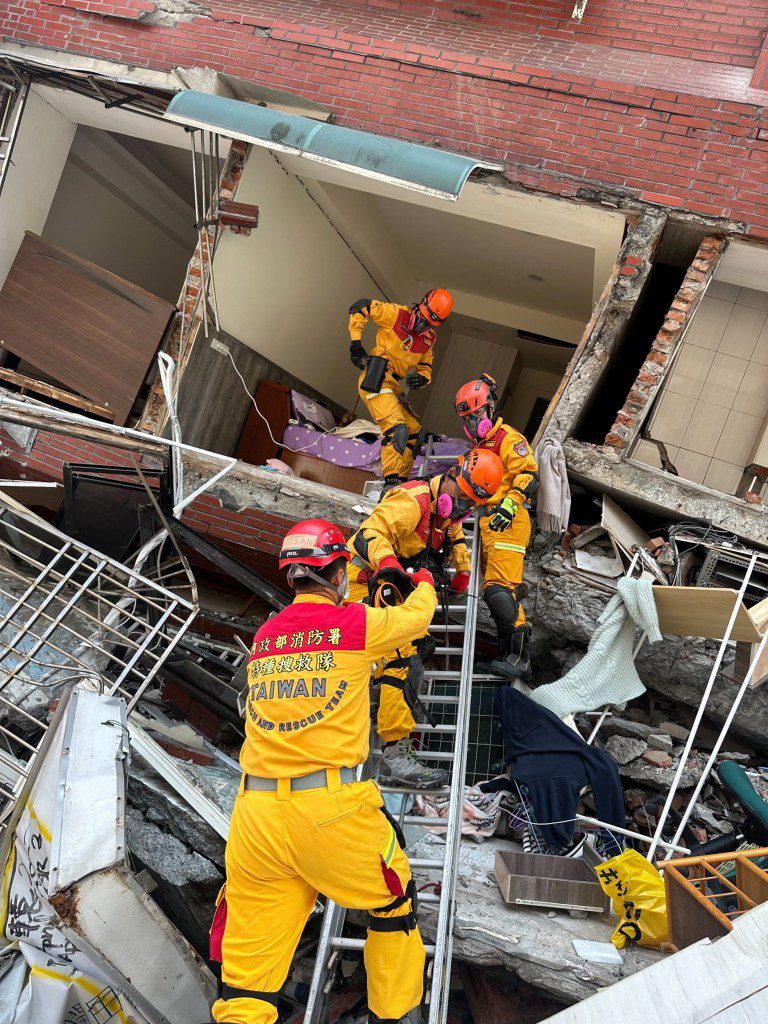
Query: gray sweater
[607, 674]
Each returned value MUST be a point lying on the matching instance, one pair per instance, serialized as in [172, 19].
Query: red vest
[427, 518]
[418, 343]
[493, 444]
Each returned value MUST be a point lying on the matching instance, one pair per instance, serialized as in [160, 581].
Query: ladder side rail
[438, 1007]
[21, 102]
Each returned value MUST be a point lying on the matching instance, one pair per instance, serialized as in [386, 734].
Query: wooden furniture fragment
[39, 387]
[344, 478]
[694, 911]
[255, 444]
[97, 333]
[538, 880]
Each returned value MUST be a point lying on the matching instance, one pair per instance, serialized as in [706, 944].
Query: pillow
[309, 412]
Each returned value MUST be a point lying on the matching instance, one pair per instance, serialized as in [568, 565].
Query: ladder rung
[442, 673]
[437, 699]
[457, 651]
[435, 755]
[360, 943]
[426, 727]
[417, 819]
[425, 864]
[451, 628]
[428, 898]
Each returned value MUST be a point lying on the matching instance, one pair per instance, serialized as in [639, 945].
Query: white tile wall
[715, 400]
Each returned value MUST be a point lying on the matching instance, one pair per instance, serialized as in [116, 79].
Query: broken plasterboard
[600, 565]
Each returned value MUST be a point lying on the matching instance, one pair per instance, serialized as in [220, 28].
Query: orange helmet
[436, 306]
[479, 475]
[475, 403]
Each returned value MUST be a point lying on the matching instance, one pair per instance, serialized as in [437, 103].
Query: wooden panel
[95, 332]
[255, 444]
[690, 915]
[309, 467]
[752, 880]
[702, 611]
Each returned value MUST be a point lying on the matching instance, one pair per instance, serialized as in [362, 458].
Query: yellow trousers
[286, 847]
[394, 720]
[503, 554]
[387, 411]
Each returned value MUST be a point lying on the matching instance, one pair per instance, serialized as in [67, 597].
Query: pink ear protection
[444, 505]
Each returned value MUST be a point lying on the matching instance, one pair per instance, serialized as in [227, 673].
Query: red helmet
[479, 475]
[313, 542]
[436, 306]
[475, 395]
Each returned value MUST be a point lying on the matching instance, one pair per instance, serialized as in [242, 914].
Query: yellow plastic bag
[637, 891]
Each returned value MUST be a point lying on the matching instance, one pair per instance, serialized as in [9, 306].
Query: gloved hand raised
[460, 582]
[358, 355]
[423, 576]
[415, 380]
[503, 516]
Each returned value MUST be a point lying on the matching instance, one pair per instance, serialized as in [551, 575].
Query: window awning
[434, 171]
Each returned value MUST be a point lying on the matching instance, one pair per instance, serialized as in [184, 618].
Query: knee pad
[503, 606]
[415, 441]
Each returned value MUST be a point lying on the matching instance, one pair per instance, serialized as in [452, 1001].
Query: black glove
[358, 355]
[503, 516]
[415, 380]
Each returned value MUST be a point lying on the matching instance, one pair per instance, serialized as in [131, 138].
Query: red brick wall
[519, 84]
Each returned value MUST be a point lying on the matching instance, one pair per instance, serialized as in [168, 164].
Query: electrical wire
[279, 444]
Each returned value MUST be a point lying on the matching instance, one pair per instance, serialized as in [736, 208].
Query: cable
[279, 444]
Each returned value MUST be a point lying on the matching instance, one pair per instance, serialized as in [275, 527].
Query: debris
[622, 749]
[657, 759]
[597, 952]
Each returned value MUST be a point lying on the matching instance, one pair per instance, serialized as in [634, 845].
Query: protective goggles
[434, 316]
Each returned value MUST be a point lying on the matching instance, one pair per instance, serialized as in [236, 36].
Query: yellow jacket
[401, 525]
[308, 675]
[404, 351]
[521, 472]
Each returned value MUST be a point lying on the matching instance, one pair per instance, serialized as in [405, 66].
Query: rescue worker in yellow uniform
[415, 524]
[403, 351]
[506, 531]
[301, 824]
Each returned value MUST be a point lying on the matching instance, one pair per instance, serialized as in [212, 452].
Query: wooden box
[537, 880]
[309, 467]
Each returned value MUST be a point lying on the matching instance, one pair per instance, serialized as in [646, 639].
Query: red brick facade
[654, 101]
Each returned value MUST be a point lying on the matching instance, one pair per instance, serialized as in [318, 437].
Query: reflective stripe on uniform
[391, 847]
[511, 547]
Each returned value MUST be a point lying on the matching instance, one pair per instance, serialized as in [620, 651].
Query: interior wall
[531, 384]
[285, 289]
[712, 411]
[39, 156]
[112, 210]
[463, 358]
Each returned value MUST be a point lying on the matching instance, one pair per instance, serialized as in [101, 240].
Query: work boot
[393, 480]
[400, 767]
[412, 1017]
[516, 664]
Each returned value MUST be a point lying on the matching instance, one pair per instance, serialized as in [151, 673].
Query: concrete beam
[605, 470]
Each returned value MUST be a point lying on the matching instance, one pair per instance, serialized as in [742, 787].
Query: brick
[657, 758]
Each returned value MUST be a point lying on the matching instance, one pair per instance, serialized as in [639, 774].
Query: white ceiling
[547, 356]
[492, 260]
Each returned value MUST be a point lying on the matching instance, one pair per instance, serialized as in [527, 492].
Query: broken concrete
[187, 883]
[603, 468]
[622, 749]
[535, 944]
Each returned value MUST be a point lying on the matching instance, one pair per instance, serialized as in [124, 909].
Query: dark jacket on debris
[555, 763]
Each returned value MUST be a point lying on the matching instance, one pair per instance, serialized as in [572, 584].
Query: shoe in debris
[400, 767]
[513, 661]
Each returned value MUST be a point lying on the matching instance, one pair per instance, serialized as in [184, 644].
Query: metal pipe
[702, 707]
[721, 738]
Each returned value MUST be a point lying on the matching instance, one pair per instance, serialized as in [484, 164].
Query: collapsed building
[178, 251]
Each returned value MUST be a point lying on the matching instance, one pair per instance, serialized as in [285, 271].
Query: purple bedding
[353, 454]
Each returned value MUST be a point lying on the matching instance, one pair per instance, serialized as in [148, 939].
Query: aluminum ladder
[454, 627]
[13, 99]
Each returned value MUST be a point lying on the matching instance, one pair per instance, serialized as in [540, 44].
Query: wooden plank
[621, 527]
[752, 880]
[40, 387]
[690, 915]
[702, 611]
[98, 332]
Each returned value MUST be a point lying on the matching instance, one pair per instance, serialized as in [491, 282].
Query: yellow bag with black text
[637, 891]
